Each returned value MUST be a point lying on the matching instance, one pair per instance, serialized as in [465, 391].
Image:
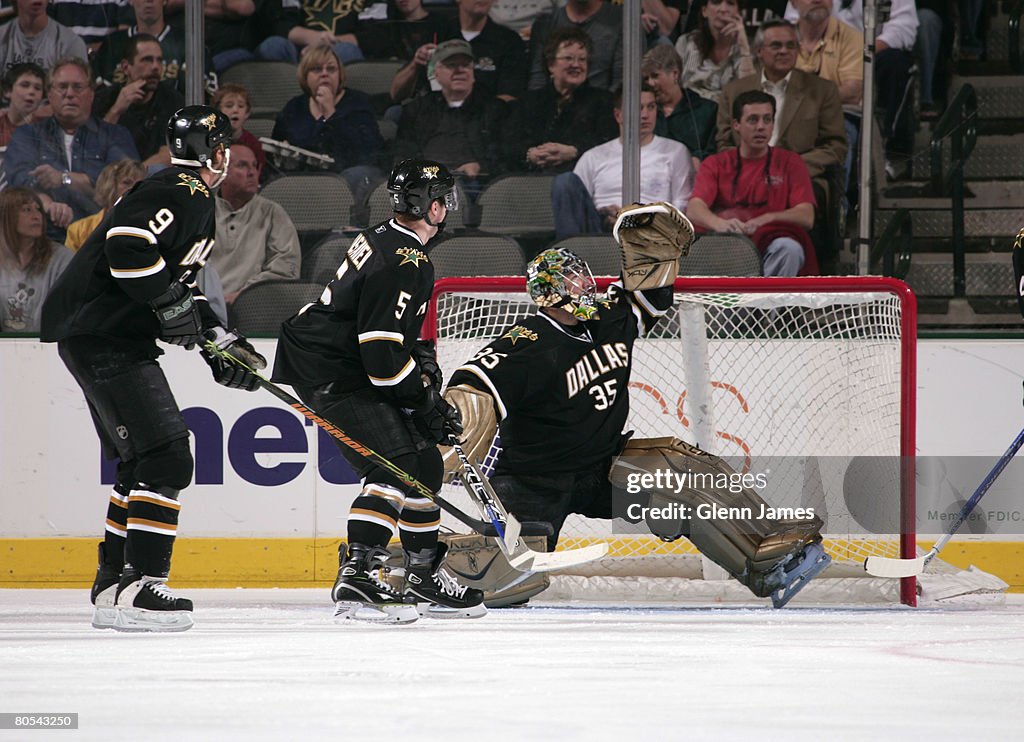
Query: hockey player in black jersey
[133, 282]
[555, 387]
[353, 356]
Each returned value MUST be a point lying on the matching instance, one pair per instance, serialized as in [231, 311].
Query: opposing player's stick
[526, 559]
[519, 555]
[890, 567]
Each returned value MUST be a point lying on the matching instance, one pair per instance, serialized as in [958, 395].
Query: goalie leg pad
[478, 562]
[749, 547]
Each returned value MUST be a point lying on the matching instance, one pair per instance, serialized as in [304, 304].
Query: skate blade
[104, 617]
[813, 568]
[433, 610]
[139, 619]
[388, 613]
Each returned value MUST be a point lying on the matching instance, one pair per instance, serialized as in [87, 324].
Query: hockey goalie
[555, 386]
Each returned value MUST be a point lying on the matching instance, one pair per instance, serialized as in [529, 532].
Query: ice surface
[272, 665]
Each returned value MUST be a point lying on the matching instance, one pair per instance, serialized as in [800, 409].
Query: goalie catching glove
[652, 238]
[227, 372]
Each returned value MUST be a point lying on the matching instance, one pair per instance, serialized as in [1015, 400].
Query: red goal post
[800, 368]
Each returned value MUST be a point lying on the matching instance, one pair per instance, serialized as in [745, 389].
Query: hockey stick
[519, 555]
[890, 567]
[411, 482]
[524, 556]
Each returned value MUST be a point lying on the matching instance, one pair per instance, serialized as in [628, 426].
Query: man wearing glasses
[759, 191]
[63, 155]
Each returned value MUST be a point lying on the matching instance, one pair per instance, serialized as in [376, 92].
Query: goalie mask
[561, 278]
[194, 133]
[415, 184]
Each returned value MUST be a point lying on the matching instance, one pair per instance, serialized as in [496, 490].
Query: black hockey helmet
[415, 184]
[194, 133]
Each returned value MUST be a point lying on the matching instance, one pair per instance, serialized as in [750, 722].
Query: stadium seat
[721, 254]
[477, 254]
[270, 84]
[262, 307]
[315, 202]
[322, 263]
[518, 205]
[599, 250]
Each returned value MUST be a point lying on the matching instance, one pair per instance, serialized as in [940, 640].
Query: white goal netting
[810, 381]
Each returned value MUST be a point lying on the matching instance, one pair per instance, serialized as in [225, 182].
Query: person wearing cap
[500, 62]
[456, 126]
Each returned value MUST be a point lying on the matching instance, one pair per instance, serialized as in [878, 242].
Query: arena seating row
[261, 308]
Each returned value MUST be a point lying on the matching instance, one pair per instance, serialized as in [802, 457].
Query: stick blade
[895, 568]
[528, 560]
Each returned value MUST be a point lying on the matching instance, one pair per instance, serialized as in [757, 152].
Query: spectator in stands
[454, 126]
[499, 66]
[758, 190]
[407, 27]
[114, 182]
[149, 19]
[292, 29]
[717, 51]
[35, 37]
[145, 102]
[682, 114]
[37, 156]
[660, 20]
[588, 199]
[333, 120]
[92, 20]
[930, 43]
[565, 118]
[233, 101]
[23, 89]
[834, 51]
[256, 241]
[519, 15]
[603, 23]
[226, 25]
[972, 46]
[29, 262]
[894, 44]
[809, 117]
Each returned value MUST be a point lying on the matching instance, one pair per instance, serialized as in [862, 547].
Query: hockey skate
[438, 593]
[147, 604]
[791, 576]
[362, 593]
[104, 591]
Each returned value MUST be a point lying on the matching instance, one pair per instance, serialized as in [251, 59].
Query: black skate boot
[362, 592]
[104, 591]
[147, 604]
[437, 592]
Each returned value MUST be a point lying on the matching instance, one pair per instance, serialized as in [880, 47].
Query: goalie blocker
[773, 558]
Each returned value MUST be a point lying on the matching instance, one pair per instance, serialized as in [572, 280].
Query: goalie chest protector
[562, 393]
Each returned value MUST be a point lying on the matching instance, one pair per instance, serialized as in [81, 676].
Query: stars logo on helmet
[411, 255]
[209, 121]
[430, 172]
[519, 333]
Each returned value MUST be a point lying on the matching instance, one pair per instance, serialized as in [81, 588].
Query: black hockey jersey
[361, 332]
[562, 393]
[160, 231]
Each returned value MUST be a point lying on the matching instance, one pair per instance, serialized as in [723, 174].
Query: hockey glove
[437, 420]
[425, 355]
[227, 372]
[652, 237]
[178, 314]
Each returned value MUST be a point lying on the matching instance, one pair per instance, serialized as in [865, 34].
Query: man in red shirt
[760, 191]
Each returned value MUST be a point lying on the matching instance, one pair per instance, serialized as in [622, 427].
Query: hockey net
[812, 378]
